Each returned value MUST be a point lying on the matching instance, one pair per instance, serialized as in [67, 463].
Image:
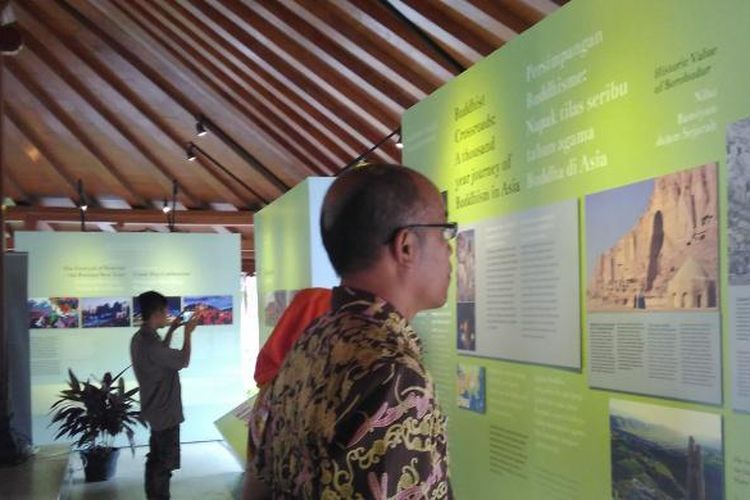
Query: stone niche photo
[653, 245]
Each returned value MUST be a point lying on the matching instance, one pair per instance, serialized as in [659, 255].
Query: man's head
[153, 309]
[384, 225]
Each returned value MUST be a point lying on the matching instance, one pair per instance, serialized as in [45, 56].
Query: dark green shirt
[156, 368]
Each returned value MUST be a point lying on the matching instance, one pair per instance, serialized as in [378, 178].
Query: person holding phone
[156, 366]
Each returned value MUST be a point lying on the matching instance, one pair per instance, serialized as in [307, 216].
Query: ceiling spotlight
[166, 208]
[399, 143]
[200, 129]
[84, 207]
[191, 152]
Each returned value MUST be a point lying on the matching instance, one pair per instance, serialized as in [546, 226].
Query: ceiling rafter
[515, 15]
[162, 72]
[164, 172]
[257, 85]
[63, 171]
[208, 69]
[277, 86]
[282, 47]
[251, 38]
[65, 118]
[240, 218]
[86, 55]
[452, 21]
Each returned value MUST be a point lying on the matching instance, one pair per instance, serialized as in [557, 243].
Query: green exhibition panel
[83, 313]
[596, 341]
[289, 250]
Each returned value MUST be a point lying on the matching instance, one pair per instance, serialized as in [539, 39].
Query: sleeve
[392, 440]
[166, 356]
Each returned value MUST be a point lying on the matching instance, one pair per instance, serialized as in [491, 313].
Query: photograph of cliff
[665, 453]
[653, 245]
[738, 160]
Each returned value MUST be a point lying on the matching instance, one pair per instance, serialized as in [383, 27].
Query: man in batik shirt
[352, 412]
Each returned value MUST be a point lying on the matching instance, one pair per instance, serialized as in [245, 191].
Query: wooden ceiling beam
[127, 41]
[518, 15]
[260, 92]
[75, 129]
[448, 18]
[54, 215]
[12, 189]
[164, 172]
[402, 88]
[246, 36]
[174, 37]
[85, 54]
[63, 170]
[274, 86]
[308, 67]
[366, 33]
[453, 50]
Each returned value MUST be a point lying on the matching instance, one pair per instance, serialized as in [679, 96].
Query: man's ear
[404, 246]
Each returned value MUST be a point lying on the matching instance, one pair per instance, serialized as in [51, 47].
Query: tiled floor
[209, 471]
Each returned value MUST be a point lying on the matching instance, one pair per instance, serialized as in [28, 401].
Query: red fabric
[307, 305]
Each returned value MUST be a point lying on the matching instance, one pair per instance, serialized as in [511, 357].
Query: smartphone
[185, 316]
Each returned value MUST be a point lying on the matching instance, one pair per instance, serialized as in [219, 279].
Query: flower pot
[99, 464]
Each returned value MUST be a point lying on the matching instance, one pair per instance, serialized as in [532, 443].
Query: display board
[290, 253]
[82, 314]
[596, 341]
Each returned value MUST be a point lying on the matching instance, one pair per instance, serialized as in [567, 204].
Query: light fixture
[166, 208]
[82, 205]
[191, 152]
[399, 142]
[200, 128]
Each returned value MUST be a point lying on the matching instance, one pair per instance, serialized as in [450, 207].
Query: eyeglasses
[449, 229]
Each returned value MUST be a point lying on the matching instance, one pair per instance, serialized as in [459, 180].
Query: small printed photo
[211, 309]
[664, 452]
[274, 306]
[466, 336]
[466, 266]
[174, 306]
[105, 312]
[470, 383]
[53, 312]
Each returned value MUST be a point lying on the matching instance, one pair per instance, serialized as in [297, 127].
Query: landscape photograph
[665, 453]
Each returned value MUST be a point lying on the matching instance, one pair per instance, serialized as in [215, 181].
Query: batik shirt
[352, 413]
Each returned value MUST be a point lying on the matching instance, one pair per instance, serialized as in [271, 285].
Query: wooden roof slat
[60, 165]
[446, 46]
[89, 58]
[286, 49]
[325, 59]
[518, 15]
[454, 21]
[74, 128]
[277, 86]
[164, 74]
[377, 74]
[293, 112]
[246, 37]
[164, 173]
[211, 69]
[398, 40]
[13, 189]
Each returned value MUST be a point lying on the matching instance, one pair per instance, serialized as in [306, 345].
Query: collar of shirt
[369, 305]
[149, 332]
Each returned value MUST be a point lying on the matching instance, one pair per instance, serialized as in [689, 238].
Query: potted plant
[94, 414]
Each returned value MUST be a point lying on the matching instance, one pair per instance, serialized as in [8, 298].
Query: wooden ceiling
[109, 92]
